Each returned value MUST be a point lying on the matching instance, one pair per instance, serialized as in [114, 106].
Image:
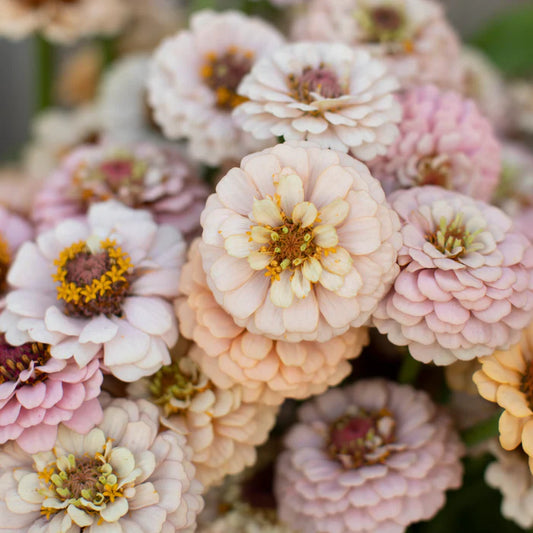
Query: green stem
[486, 429]
[409, 370]
[197, 5]
[44, 69]
[109, 52]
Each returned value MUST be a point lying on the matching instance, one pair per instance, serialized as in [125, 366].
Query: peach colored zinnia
[375, 454]
[269, 371]
[506, 378]
[222, 430]
[466, 286]
[299, 243]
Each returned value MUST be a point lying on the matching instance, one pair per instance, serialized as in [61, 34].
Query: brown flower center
[35, 4]
[93, 282]
[16, 359]
[321, 80]
[361, 439]
[5, 262]
[385, 23]
[452, 238]
[526, 385]
[434, 171]
[387, 18]
[224, 73]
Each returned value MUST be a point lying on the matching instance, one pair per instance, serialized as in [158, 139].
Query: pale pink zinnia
[222, 429]
[328, 93]
[38, 392]
[412, 36]
[269, 371]
[143, 176]
[444, 140]
[104, 283]
[124, 476]
[194, 79]
[376, 454]
[466, 283]
[299, 243]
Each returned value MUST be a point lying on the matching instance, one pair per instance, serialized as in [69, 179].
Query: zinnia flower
[141, 176]
[122, 476]
[14, 231]
[38, 392]
[269, 371]
[444, 141]
[194, 79]
[506, 378]
[63, 21]
[465, 286]
[299, 243]
[222, 430]
[376, 454]
[413, 36]
[103, 283]
[331, 94]
[510, 474]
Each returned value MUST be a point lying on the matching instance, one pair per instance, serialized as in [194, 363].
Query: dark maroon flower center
[361, 439]
[85, 267]
[321, 80]
[16, 359]
[39, 3]
[224, 73]
[387, 18]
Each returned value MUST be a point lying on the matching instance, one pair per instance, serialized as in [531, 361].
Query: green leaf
[508, 40]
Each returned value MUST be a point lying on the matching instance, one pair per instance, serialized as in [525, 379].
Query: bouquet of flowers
[266, 268]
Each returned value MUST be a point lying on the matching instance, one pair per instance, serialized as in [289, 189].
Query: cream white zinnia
[299, 243]
[100, 284]
[122, 477]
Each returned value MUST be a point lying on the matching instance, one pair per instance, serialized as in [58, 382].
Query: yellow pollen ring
[70, 292]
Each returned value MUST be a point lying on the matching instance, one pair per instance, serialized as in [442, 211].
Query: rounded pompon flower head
[444, 140]
[510, 474]
[269, 371]
[138, 175]
[336, 96]
[63, 21]
[412, 36]
[465, 286]
[14, 231]
[376, 454]
[222, 430]
[194, 79]
[99, 284]
[38, 392]
[506, 378]
[122, 476]
[299, 243]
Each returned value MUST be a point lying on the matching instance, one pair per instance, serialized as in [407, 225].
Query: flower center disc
[224, 73]
[526, 385]
[385, 23]
[361, 439]
[321, 80]
[431, 171]
[174, 386]
[39, 3]
[93, 283]
[16, 359]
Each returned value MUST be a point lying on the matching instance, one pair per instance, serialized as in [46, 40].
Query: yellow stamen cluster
[452, 238]
[71, 292]
[89, 483]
